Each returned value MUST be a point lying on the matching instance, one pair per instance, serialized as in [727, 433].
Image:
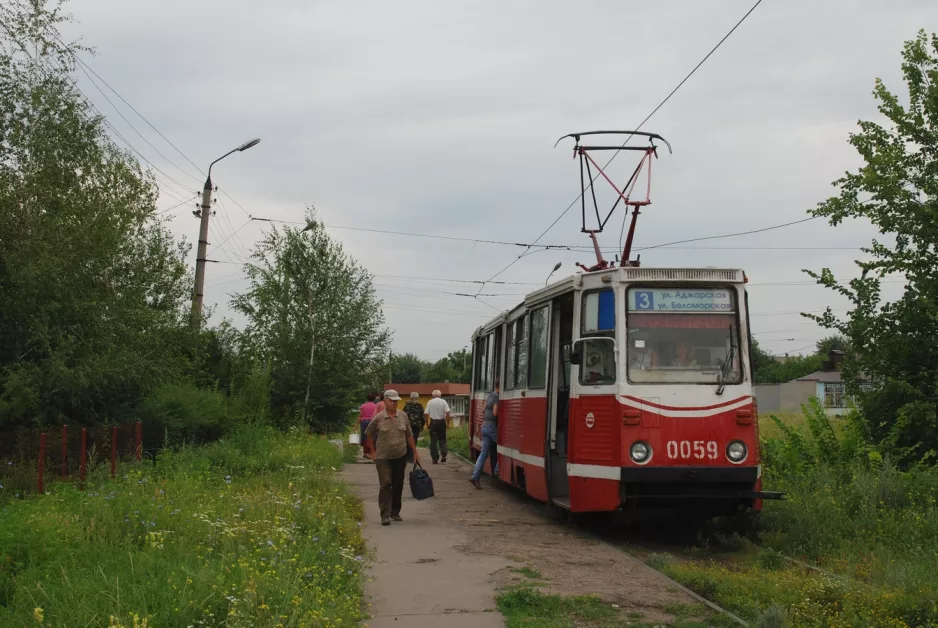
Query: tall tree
[407, 368]
[314, 317]
[91, 284]
[896, 343]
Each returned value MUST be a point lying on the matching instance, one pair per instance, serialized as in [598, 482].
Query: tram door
[561, 346]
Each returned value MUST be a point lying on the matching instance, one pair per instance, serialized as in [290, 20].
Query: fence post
[40, 484]
[64, 468]
[82, 458]
[113, 451]
[138, 448]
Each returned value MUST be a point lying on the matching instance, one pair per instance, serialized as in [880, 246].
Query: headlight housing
[737, 451]
[640, 452]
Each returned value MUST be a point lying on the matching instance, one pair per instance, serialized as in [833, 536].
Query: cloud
[440, 118]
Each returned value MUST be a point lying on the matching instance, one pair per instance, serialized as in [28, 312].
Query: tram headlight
[640, 452]
[736, 451]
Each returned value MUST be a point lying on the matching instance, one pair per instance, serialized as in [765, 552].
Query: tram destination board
[680, 300]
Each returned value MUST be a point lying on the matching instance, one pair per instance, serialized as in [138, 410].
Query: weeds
[250, 531]
[849, 510]
[528, 572]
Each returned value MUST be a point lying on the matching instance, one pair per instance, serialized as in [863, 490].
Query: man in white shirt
[438, 411]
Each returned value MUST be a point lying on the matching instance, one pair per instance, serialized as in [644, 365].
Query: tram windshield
[683, 335]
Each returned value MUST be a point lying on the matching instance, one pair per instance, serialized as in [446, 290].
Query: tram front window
[683, 336]
[597, 361]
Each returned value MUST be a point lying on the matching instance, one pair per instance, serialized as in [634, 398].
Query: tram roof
[625, 274]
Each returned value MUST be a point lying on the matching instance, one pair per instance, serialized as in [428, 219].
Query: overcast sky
[441, 117]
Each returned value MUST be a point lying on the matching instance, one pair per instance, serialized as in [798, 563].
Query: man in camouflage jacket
[414, 412]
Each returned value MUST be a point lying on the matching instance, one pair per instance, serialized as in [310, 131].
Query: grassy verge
[457, 439]
[250, 531]
[871, 525]
[525, 606]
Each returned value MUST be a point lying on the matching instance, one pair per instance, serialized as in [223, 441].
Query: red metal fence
[70, 451]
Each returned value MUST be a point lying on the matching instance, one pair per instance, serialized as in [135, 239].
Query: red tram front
[625, 388]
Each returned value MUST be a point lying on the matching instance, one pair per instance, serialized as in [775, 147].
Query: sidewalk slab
[420, 574]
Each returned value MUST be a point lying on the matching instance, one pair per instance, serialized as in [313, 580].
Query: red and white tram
[624, 387]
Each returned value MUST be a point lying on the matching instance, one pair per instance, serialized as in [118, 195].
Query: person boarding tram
[489, 437]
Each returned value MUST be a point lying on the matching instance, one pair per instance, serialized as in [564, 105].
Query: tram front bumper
[688, 482]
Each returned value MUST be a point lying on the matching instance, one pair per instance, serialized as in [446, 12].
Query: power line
[141, 116]
[730, 235]
[82, 66]
[647, 118]
[40, 65]
[218, 246]
[428, 279]
[168, 209]
[238, 242]
[575, 247]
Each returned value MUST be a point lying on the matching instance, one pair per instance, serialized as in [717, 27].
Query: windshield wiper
[727, 364]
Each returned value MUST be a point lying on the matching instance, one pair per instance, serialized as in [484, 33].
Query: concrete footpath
[420, 576]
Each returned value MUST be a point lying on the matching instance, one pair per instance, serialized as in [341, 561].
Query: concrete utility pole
[205, 212]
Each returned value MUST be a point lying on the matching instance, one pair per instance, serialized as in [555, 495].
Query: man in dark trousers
[438, 412]
[390, 435]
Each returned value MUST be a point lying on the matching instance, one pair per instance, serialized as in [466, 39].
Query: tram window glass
[521, 368]
[599, 312]
[490, 365]
[484, 363]
[480, 363]
[598, 361]
[537, 377]
[509, 382]
[682, 335]
[516, 367]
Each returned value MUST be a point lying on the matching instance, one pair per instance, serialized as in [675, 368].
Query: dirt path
[507, 531]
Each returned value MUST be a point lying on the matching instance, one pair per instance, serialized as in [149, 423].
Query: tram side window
[597, 361]
[516, 366]
[599, 313]
[509, 382]
[537, 374]
[483, 364]
[521, 368]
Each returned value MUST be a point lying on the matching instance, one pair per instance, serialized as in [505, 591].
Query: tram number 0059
[698, 449]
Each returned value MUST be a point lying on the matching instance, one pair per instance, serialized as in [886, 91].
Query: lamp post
[556, 268]
[206, 211]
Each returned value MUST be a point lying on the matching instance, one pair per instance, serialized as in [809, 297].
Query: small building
[830, 390]
[826, 385]
[456, 395]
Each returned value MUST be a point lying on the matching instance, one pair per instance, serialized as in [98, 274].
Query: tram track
[598, 536]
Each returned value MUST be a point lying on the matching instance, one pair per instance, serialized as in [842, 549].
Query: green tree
[896, 343]
[313, 316]
[836, 342]
[770, 370]
[461, 363]
[92, 285]
[439, 371]
[407, 368]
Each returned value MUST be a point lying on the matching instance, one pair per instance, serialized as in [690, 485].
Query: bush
[181, 413]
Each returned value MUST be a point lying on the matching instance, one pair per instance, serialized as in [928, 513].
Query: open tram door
[561, 345]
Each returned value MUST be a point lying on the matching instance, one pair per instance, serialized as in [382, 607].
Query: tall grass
[250, 531]
[848, 509]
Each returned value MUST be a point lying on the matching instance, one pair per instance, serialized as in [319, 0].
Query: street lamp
[556, 268]
[203, 232]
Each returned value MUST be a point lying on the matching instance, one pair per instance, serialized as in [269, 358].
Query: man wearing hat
[390, 435]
